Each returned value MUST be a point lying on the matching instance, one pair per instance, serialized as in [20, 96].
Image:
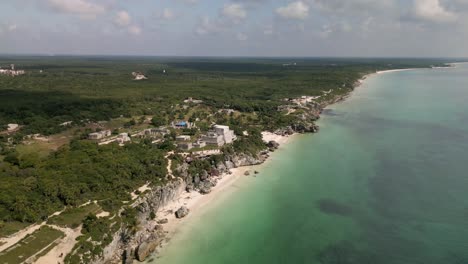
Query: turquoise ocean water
[385, 181]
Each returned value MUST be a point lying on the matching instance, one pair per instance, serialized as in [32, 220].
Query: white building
[219, 136]
[193, 101]
[122, 138]
[100, 135]
[12, 127]
[12, 72]
[227, 134]
[156, 131]
[139, 76]
[199, 144]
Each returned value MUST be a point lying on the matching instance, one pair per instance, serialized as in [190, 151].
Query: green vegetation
[97, 233]
[42, 176]
[73, 217]
[82, 171]
[9, 228]
[31, 245]
[100, 88]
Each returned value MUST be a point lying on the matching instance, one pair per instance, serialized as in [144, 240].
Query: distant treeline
[99, 88]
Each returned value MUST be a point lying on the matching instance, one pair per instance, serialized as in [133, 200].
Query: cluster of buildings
[105, 134]
[12, 72]
[218, 136]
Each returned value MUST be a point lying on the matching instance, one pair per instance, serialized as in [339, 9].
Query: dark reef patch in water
[329, 206]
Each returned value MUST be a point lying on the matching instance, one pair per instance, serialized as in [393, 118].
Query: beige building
[219, 136]
[100, 135]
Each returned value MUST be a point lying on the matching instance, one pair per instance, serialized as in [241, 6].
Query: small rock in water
[256, 172]
[182, 212]
[247, 173]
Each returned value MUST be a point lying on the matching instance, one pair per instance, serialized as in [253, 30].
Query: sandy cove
[197, 202]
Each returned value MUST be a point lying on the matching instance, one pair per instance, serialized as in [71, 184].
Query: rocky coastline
[129, 245]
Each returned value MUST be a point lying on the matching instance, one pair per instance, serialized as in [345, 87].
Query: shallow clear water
[384, 181]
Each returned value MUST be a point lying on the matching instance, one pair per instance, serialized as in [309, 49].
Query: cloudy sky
[427, 28]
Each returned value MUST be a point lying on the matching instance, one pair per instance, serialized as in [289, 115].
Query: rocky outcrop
[145, 248]
[163, 221]
[305, 127]
[273, 145]
[182, 212]
[206, 180]
[137, 243]
[242, 160]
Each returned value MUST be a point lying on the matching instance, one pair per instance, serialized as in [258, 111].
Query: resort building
[100, 135]
[219, 136]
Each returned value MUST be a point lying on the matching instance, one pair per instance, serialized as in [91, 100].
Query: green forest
[56, 90]
[80, 89]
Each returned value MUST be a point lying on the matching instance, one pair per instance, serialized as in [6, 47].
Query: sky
[351, 28]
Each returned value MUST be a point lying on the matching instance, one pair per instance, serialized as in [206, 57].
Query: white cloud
[296, 10]
[12, 27]
[122, 19]
[207, 26]
[167, 14]
[234, 11]
[242, 37]
[135, 30]
[5, 28]
[83, 8]
[190, 1]
[432, 10]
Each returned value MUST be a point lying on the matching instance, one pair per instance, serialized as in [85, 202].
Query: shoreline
[198, 203]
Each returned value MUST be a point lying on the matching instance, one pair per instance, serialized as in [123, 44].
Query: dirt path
[65, 246]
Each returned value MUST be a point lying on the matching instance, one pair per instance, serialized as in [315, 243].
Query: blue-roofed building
[182, 124]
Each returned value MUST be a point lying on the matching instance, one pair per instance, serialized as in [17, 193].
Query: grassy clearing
[73, 217]
[31, 245]
[9, 228]
[39, 148]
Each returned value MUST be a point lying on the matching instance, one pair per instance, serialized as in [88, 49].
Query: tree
[158, 121]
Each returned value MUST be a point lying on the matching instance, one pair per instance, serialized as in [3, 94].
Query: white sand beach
[197, 202]
[396, 70]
